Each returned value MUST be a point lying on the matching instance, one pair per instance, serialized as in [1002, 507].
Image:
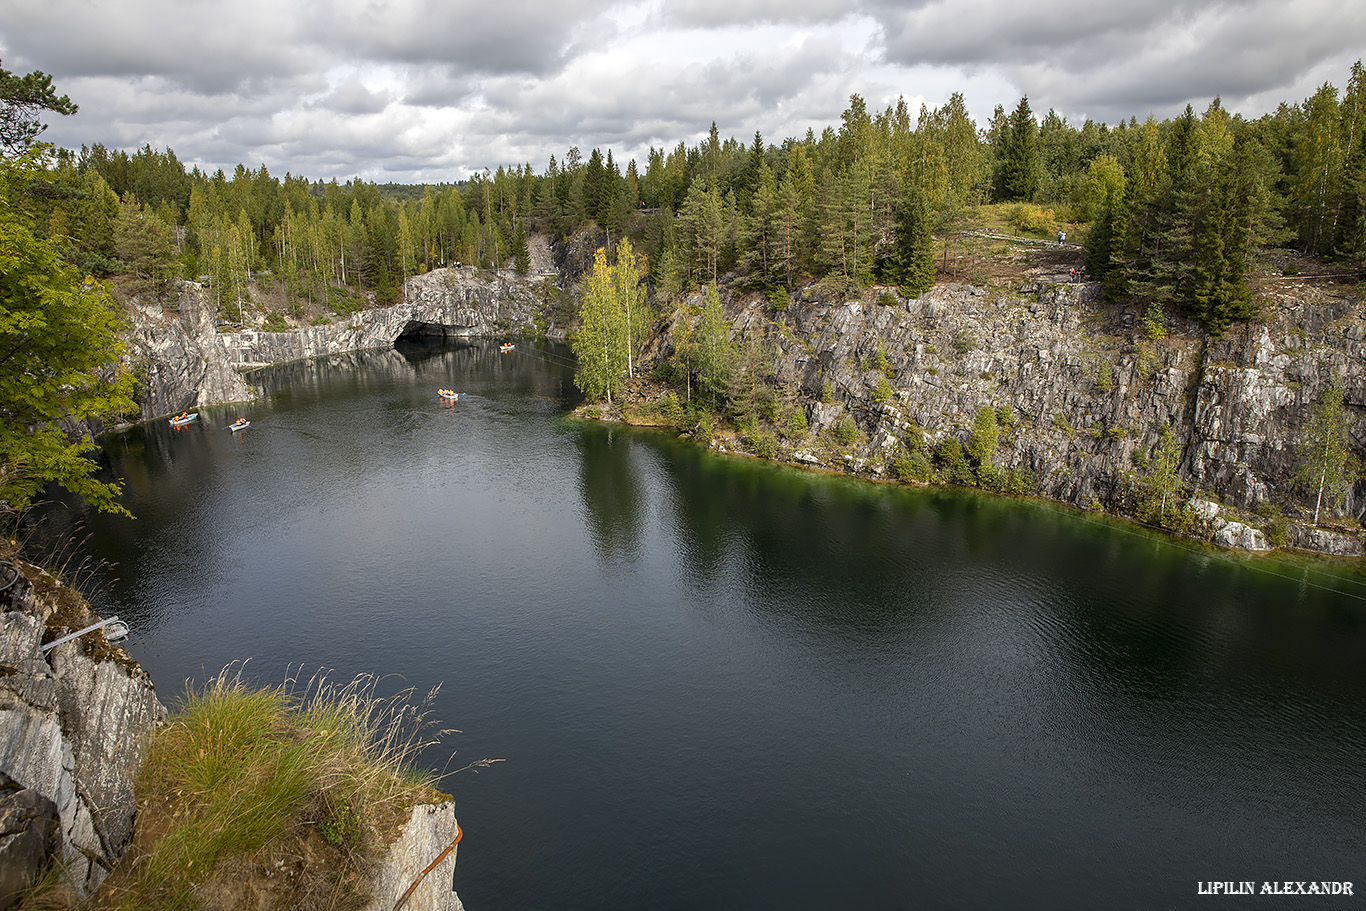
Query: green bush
[1030, 219]
[883, 392]
[911, 466]
[762, 444]
[953, 463]
[1277, 530]
[846, 431]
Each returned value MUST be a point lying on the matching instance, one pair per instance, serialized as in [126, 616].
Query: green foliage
[762, 443]
[22, 101]
[1327, 466]
[59, 349]
[274, 322]
[1276, 528]
[883, 392]
[610, 302]
[1019, 175]
[985, 433]
[911, 263]
[1031, 219]
[1154, 323]
[796, 425]
[846, 432]
[912, 465]
[953, 463]
[521, 255]
[142, 241]
[710, 348]
[1162, 489]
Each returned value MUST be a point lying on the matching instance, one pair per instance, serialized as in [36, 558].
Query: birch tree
[1328, 468]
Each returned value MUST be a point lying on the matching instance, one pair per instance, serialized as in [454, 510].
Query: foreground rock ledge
[74, 722]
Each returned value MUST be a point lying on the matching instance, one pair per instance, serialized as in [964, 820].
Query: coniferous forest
[1171, 213]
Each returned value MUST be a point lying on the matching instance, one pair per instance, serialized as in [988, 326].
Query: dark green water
[726, 685]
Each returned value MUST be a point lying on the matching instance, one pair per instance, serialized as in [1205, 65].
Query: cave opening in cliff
[417, 331]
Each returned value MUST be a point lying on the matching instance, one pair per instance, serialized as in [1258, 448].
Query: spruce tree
[1020, 174]
[911, 264]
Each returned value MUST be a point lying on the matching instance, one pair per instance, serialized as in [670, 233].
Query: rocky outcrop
[180, 357]
[184, 361]
[450, 303]
[28, 830]
[429, 830]
[1082, 392]
[73, 723]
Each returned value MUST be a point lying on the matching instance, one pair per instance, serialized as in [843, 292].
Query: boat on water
[186, 418]
[239, 424]
[506, 348]
[448, 395]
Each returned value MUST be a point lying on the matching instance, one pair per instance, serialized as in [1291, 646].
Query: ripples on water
[720, 684]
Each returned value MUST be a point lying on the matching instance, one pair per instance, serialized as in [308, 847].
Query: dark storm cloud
[204, 51]
[510, 36]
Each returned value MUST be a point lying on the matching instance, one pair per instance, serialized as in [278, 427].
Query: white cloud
[425, 89]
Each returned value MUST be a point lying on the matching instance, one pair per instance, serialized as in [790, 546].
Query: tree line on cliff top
[1174, 211]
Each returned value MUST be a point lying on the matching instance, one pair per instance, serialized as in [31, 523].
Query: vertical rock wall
[184, 361]
[73, 724]
[1085, 390]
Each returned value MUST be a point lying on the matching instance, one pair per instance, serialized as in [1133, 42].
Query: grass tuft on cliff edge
[273, 797]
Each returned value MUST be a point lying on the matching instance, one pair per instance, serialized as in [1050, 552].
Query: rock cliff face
[181, 357]
[427, 833]
[73, 722]
[1086, 391]
[187, 362]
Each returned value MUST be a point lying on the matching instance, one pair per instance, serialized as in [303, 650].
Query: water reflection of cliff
[537, 367]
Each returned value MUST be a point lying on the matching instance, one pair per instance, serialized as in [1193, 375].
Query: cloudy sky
[429, 90]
